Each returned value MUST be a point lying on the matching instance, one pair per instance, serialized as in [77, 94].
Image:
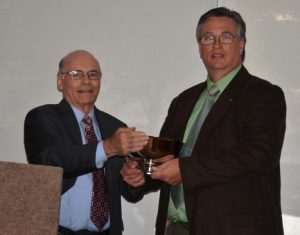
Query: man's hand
[124, 141]
[168, 172]
[131, 174]
[163, 159]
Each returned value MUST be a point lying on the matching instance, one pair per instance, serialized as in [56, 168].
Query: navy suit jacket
[232, 178]
[52, 137]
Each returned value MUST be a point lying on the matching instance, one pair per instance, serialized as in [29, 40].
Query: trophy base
[144, 164]
[148, 166]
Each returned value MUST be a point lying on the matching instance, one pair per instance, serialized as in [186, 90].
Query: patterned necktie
[99, 207]
[187, 148]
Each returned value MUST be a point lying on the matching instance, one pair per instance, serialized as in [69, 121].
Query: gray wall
[148, 53]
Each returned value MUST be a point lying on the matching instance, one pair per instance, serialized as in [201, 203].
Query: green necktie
[187, 148]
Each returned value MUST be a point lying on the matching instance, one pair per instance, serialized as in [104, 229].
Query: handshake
[149, 155]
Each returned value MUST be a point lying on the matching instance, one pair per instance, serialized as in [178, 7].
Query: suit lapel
[222, 105]
[186, 109]
[103, 125]
[70, 122]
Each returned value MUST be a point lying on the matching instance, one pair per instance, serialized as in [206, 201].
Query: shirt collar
[224, 81]
[80, 115]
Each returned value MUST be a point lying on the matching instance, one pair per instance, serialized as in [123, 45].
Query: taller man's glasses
[224, 38]
[78, 74]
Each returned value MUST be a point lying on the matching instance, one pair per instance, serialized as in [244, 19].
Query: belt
[66, 231]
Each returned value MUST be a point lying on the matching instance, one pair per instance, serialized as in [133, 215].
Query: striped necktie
[187, 148]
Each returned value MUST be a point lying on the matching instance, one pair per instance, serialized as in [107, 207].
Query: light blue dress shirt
[76, 203]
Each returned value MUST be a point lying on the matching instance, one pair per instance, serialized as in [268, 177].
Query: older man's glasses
[79, 75]
[224, 38]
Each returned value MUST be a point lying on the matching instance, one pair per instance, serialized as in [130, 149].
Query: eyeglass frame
[217, 38]
[84, 74]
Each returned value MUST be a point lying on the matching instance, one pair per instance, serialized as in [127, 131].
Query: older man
[86, 143]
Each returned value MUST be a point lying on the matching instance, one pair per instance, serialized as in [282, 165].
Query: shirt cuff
[100, 155]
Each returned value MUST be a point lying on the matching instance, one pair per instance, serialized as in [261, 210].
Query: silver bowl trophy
[157, 147]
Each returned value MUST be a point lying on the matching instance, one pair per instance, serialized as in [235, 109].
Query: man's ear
[200, 51]
[59, 82]
[242, 46]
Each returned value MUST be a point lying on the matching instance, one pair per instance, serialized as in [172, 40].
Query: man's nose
[217, 42]
[85, 78]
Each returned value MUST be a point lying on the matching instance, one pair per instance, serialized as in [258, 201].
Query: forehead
[218, 25]
[81, 61]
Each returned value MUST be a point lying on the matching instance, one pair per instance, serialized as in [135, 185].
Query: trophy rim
[158, 147]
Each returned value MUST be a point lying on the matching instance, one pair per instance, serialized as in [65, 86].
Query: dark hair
[224, 12]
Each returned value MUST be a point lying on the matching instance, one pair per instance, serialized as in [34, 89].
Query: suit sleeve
[250, 143]
[47, 142]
